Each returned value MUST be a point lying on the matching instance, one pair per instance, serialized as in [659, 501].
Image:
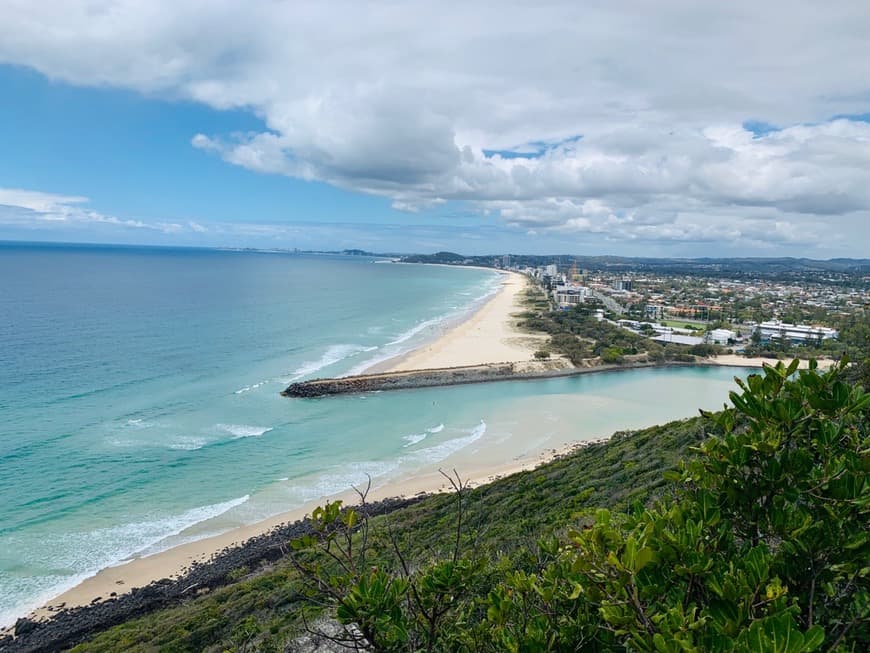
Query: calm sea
[139, 403]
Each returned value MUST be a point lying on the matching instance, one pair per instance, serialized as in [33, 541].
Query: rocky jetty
[424, 378]
[74, 625]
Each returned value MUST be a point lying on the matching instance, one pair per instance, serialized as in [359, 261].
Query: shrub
[612, 355]
[760, 546]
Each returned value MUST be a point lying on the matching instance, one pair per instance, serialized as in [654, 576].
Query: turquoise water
[139, 403]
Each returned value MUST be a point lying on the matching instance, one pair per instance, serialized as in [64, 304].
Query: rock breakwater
[424, 379]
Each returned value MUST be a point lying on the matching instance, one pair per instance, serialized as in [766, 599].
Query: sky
[636, 128]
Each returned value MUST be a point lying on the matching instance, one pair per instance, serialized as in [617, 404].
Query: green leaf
[645, 556]
[814, 638]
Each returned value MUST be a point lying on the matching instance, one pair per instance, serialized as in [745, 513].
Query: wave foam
[88, 552]
[191, 443]
[439, 452]
[253, 386]
[414, 438]
[243, 430]
[345, 477]
[333, 355]
[417, 328]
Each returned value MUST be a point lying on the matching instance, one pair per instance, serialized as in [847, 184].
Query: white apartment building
[567, 296]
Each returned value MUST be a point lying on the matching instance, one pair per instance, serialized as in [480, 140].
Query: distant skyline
[671, 129]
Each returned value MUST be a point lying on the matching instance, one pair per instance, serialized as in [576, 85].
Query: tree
[612, 355]
[410, 608]
[755, 338]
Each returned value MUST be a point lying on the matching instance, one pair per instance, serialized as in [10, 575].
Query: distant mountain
[443, 257]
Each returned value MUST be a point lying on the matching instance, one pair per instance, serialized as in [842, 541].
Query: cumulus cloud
[622, 119]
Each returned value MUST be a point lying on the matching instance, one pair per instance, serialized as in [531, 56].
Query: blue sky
[386, 129]
[131, 156]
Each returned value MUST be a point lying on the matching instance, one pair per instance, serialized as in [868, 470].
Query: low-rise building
[796, 333]
[721, 336]
[678, 339]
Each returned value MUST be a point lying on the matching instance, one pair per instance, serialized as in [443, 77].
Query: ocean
[140, 406]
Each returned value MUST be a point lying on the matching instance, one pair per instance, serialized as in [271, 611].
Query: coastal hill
[741, 530]
[700, 266]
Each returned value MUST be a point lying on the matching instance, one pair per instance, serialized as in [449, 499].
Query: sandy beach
[174, 562]
[488, 335]
[733, 360]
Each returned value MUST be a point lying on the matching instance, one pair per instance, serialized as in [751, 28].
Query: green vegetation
[761, 545]
[684, 324]
[744, 530]
[705, 350]
[443, 258]
[578, 335]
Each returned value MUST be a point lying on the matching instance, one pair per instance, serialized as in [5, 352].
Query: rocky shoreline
[72, 626]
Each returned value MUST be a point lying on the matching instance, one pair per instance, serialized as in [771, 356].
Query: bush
[612, 355]
[705, 350]
[760, 546]
[541, 354]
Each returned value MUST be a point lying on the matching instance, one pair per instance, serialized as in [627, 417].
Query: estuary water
[140, 406]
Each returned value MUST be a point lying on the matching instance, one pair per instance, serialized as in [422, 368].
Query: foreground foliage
[763, 545]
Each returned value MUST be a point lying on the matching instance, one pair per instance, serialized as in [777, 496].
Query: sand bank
[733, 360]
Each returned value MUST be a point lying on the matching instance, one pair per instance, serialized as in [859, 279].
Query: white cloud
[410, 101]
[33, 209]
[38, 202]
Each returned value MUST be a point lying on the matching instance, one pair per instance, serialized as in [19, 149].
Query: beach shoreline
[489, 322]
[173, 563]
[485, 335]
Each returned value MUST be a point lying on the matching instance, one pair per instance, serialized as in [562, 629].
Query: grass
[685, 324]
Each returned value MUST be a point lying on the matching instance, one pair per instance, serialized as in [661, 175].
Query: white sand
[733, 360]
[490, 335]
